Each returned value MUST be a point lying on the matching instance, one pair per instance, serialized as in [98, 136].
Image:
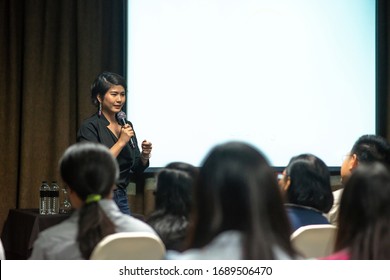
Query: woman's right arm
[88, 132]
[124, 137]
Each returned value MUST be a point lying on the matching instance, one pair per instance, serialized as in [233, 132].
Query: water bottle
[44, 203]
[54, 198]
[65, 205]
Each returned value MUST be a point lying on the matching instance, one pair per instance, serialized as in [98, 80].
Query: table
[21, 229]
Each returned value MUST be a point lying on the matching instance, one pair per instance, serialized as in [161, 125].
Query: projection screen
[287, 76]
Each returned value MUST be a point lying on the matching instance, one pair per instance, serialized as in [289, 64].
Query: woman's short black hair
[103, 83]
[370, 148]
[309, 183]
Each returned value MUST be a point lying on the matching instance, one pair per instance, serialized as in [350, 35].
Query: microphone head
[120, 116]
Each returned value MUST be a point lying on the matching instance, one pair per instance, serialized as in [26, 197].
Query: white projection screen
[287, 76]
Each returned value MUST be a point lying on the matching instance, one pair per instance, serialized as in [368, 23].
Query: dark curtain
[50, 52]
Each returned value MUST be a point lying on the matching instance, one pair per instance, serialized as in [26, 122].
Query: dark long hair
[238, 190]
[310, 183]
[173, 203]
[174, 188]
[364, 217]
[90, 169]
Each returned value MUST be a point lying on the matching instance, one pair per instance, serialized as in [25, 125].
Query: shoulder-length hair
[364, 217]
[309, 183]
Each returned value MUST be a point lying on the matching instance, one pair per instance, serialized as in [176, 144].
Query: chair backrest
[314, 241]
[129, 246]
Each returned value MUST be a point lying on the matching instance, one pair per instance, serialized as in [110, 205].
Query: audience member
[173, 201]
[364, 217]
[90, 172]
[237, 210]
[368, 148]
[308, 193]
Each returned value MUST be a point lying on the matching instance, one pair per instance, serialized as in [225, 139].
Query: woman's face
[114, 99]
[284, 181]
[349, 163]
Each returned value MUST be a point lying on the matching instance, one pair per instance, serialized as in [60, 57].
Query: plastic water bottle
[65, 205]
[44, 200]
[54, 198]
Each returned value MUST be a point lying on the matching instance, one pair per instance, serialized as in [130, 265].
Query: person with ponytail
[90, 172]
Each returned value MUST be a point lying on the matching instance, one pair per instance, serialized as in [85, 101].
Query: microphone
[121, 118]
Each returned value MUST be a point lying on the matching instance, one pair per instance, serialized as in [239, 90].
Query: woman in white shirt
[90, 172]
